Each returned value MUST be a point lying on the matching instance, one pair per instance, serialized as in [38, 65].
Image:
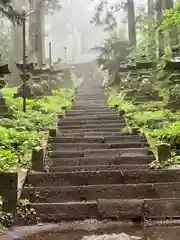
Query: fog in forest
[71, 32]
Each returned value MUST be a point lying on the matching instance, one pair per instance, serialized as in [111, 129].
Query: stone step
[54, 194]
[85, 146]
[101, 99]
[107, 139]
[97, 167]
[92, 126]
[100, 152]
[5, 115]
[92, 130]
[126, 176]
[89, 108]
[85, 94]
[101, 161]
[67, 121]
[91, 113]
[92, 134]
[127, 209]
[93, 117]
[89, 104]
[4, 108]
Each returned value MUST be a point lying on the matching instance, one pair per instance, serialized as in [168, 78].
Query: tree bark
[131, 23]
[151, 19]
[36, 32]
[16, 54]
[159, 18]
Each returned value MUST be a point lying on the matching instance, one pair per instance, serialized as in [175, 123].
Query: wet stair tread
[97, 145]
[128, 209]
[97, 167]
[102, 177]
[93, 127]
[111, 191]
[97, 139]
[101, 160]
[138, 151]
[100, 130]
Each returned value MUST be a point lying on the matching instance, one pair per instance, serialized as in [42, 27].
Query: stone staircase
[97, 171]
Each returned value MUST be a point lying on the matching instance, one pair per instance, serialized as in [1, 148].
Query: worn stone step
[53, 194]
[100, 152]
[92, 130]
[90, 105]
[107, 139]
[92, 134]
[99, 98]
[67, 121]
[81, 100]
[102, 134]
[133, 209]
[96, 104]
[125, 176]
[88, 113]
[4, 108]
[127, 209]
[96, 167]
[93, 126]
[101, 160]
[5, 115]
[89, 97]
[93, 117]
[84, 146]
[89, 109]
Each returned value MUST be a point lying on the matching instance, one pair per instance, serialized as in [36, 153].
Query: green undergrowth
[160, 125]
[24, 213]
[27, 130]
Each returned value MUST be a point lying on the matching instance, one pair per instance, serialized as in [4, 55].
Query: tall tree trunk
[173, 38]
[16, 54]
[151, 19]
[159, 18]
[131, 23]
[36, 29]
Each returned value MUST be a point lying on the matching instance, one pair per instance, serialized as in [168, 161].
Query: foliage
[104, 15]
[51, 5]
[112, 51]
[25, 214]
[171, 17]
[151, 118]
[7, 10]
[27, 130]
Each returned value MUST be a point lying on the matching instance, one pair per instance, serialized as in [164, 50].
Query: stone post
[38, 155]
[163, 152]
